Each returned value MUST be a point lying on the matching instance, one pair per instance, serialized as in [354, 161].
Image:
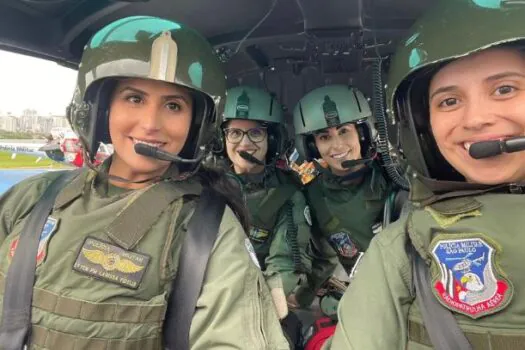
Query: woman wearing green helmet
[109, 250]
[253, 137]
[449, 274]
[333, 128]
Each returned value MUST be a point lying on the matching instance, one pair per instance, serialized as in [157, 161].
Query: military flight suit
[345, 217]
[104, 273]
[280, 232]
[473, 245]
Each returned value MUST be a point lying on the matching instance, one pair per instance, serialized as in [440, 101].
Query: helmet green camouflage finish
[326, 107]
[450, 30]
[250, 103]
[246, 102]
[149, 48]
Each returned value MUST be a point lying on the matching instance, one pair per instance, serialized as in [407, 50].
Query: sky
[27, 82]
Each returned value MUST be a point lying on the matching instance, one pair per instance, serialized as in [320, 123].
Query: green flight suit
[474, 247]
[345, 217]
[102, 282]
[280, 232]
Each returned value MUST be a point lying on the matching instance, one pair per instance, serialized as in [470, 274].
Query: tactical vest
[347, 216]
[105, 265]
[474, 246]
[267, 203]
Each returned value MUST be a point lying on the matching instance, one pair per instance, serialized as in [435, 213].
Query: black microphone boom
[347, 164]
[247, 156]
[157, 153]
[492, 148]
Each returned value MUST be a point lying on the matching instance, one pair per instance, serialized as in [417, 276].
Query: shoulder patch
[343, 245]
[258, 234]
[467, 278]
[448, 220]
[251, 252]
[111, 263]
[49, 229]
[308, 215]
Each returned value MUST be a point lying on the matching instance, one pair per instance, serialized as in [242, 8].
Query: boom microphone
[492, 148]
[247, 156]
[347, 164]
[157, 153]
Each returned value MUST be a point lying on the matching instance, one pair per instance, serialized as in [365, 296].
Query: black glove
[293, 330]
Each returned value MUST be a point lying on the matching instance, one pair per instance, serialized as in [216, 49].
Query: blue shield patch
[469, 282]
[47, 232]
[343, 245]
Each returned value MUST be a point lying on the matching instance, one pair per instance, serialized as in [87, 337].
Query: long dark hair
[217, 179]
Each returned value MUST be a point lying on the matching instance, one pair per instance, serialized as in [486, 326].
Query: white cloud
[27, 82]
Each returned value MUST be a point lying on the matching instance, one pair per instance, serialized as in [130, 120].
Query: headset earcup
[365, 139]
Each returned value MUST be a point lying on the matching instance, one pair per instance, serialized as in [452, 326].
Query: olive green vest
[267, 201]
[105, 260]
[347, 216]
[474, 246]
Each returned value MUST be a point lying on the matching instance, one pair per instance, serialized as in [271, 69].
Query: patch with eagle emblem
[466, 276]
[111, 263]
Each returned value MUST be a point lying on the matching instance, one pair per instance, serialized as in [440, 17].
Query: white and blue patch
[251, 252]
[343, 245]
[49, 229]
[354, 268]
[308, 215]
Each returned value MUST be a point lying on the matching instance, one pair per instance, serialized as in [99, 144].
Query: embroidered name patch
[258, 234]
[470, 282]
[111, 263]
[343, 245]
[49, 229]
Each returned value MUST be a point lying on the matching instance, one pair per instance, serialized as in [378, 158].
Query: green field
[27, 161]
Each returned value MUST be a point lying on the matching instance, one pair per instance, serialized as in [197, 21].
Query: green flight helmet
[450, 30]
[327, 107]
[250, 103]
[149, 48]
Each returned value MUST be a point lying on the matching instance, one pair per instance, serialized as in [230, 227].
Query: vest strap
[274, 201]
[94, 312]
[326, 220]
[445, 333]
[50, 339]
[15, 325]
[142, 212]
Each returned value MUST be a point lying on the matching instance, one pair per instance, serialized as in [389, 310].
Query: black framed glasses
[255, 135]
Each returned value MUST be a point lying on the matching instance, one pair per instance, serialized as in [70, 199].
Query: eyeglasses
[255, 135]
